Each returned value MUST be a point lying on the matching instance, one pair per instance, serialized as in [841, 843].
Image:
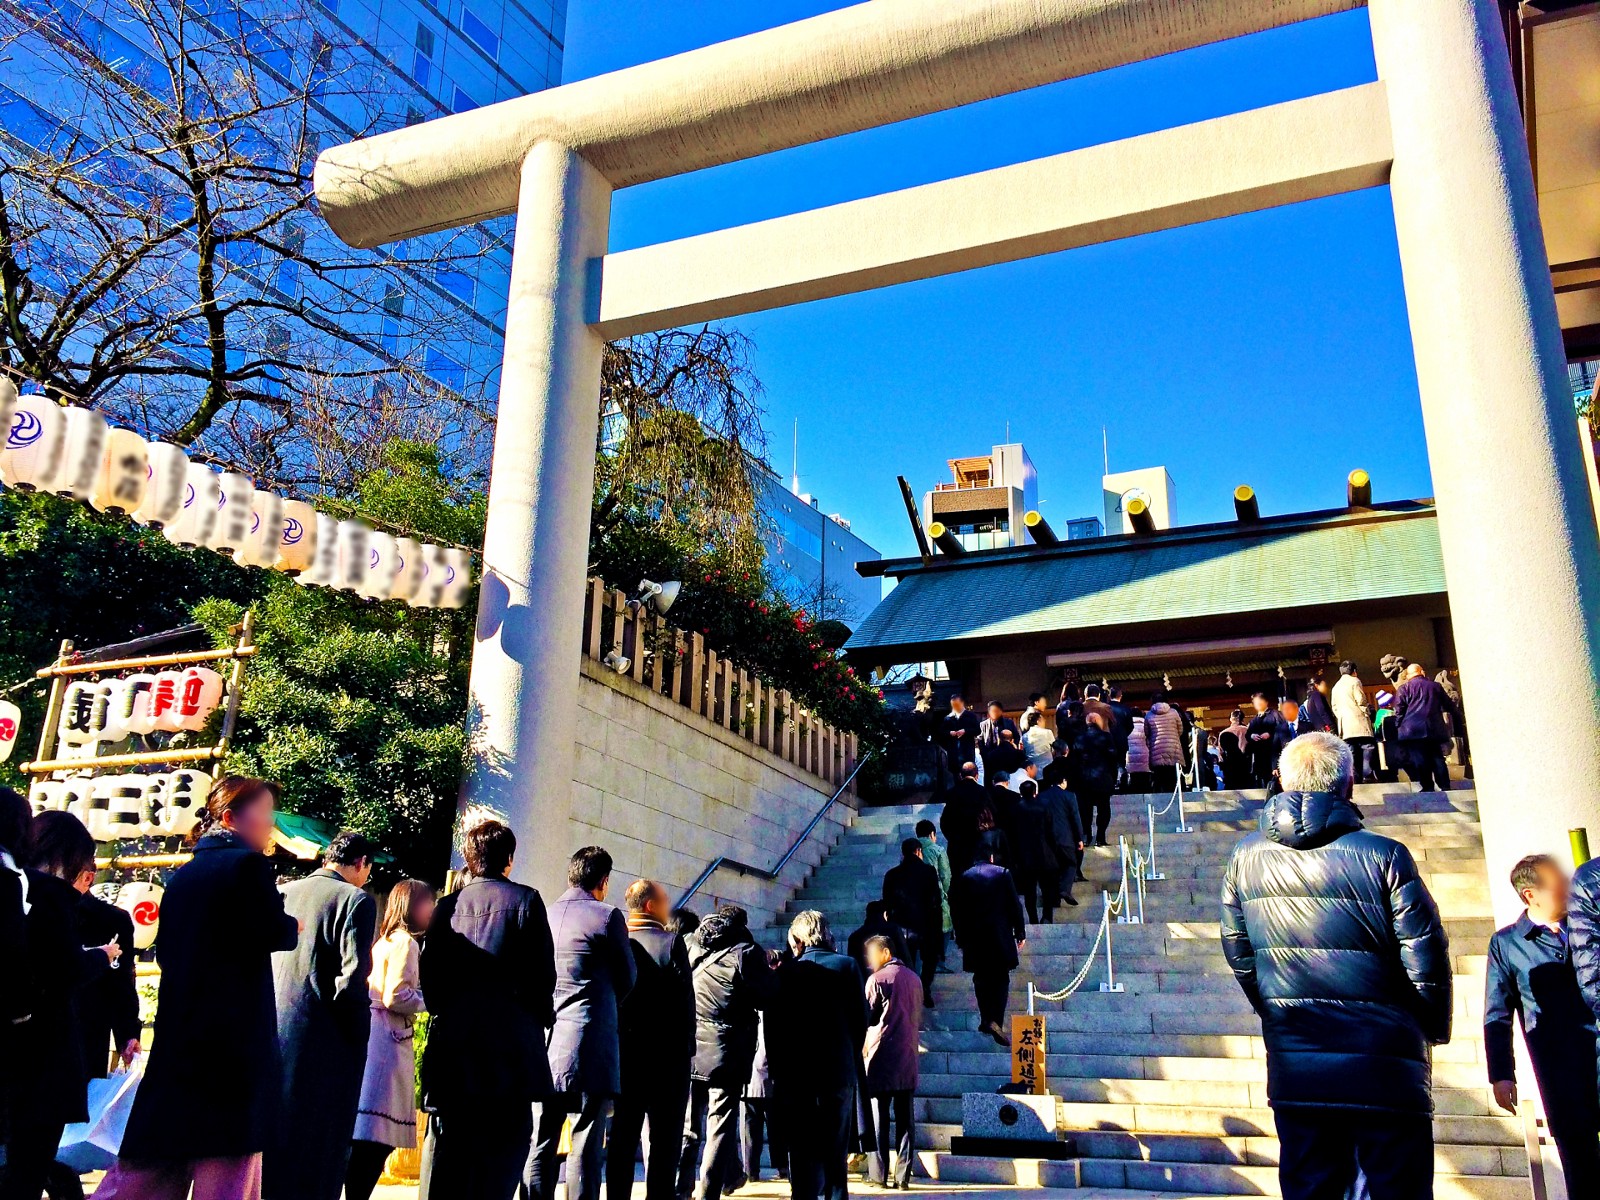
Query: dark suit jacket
[488, 970]
[963, 805]
[49, 1047]
[657, 1017]
[594, 971]
[1264, 754]
[817, 1025]
[988, 918]
[962, 749]
[16, 990]
[911, 892]
[108, 1009]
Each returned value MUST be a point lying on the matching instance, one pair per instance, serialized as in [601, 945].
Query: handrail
[761, 872]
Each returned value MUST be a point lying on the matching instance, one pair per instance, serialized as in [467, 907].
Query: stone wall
[666, 791]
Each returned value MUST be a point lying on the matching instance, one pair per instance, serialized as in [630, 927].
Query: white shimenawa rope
[1161, 812]
[1115, 908]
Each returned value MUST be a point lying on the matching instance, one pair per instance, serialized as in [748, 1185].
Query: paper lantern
[132, 707]
[458, 578]
[75, 796]
[297, 544]
[435, 575]
[324, 568]
[234, 510]
[10, 727]
[166, 485]
[141, 900]
[176, 802]
[47, 795]
[202, 494]
[33, 444]
[382, 563]
[166, 701]
[408, 569]
[353, 556]
[198, 696]
[124, 473]
[83, 446]
[119, 801]
[266, 531]
[83, 713]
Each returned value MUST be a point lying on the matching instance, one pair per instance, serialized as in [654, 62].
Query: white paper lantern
[435, 575]
[176, 802]
[82, 448]
[198, 697]
[234, 510]
[79, 722]
[10, 727]
[118, 800]
[382, 563]
[32, 451]
[142, 901]
[458, 578]
[408, 569]
[297, 544]
[266, 531]
[165, 701]
[198, 517]
[124, 473]
[132, 707]
[166, 485]
[353, 556]
[76, 794]
[47, 795]
[324, 568]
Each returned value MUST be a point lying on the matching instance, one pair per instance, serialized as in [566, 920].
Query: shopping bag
[92, 1145]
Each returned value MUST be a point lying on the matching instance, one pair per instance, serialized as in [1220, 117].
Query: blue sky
[1271, 349]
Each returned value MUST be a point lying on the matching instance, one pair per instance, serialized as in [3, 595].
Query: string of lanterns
[74, 453]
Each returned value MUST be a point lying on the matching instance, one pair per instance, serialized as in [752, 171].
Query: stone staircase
[1163, 1085]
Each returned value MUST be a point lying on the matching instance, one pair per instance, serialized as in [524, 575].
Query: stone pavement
[928, 1188]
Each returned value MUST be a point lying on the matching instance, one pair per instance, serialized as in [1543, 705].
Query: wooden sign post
[1027, 1052]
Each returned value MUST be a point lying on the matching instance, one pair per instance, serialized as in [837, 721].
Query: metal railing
[763, 873]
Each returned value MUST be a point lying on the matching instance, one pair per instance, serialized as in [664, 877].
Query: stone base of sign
[1010, 1118]
[1055, 1149]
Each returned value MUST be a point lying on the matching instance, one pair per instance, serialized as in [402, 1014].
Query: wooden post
[597, 600]
[725, 687]
[52, 707]
[641, 641]
[699, 698]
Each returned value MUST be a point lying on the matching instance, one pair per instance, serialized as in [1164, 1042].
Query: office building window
[479, 34]
[458, 283]
[462, 102]
[447, 370]
[422, 61]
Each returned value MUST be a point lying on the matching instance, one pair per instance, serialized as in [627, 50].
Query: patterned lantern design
[33, 444]
[142, 902]
[297, 544]
[82, 448]
[165, 697]
[324, 568]
[408, 570]
[354, 562]
[266, 531]
[82, 724]
[124, 474]
[383, 561]
[10, 727]
[175, 802]
[121, 800]
[166, 485]
[435, 575]
[201, 496]
[132, 707]
[458, 578]
[199, 693]
[235, 508]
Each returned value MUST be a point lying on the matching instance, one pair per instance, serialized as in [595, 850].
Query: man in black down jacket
[1338, 945]
[1583, 931]
[731, 981]
[656, 1039]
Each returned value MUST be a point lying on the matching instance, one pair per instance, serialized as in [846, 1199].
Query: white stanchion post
[1125, 917]
[1183, 823]
[1111, 984]
[1150, 867]
[1030, 997]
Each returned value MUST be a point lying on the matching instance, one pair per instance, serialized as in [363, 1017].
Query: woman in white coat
[1037, 740]
[387, 1116]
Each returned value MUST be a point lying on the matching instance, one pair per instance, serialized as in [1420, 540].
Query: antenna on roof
[794, 469]
[1105, 449]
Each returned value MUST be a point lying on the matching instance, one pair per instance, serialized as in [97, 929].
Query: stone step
[1457, 1159]
[1223, 1179]
[986, 1055]
[1008, 1172]
[1472, 1099]
[938, 1068]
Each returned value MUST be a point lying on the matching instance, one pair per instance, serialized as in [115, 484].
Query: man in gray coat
[324, 1015]
[594, 971]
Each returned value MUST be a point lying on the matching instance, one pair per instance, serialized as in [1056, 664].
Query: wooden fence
[682, 668]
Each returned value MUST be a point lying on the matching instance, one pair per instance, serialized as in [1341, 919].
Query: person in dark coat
[1338, 946]
[594, 973]
[817, 1026]
[760, 1121]
[108, 1009]
[967, 814]
[16, 988]
[958, 733]
[999, 743]
[488, 969]
[1267, 734]
[731, 983]
[50, 1084]
[912, 900]
[656, 1035]
[1316, 714]
[990, 929]
[1530, 976]
[1420, 709]
[1046, 854]
[875, 923]
[894, 1027]
[1094, 777]
[324, 1020]
[208, 1104]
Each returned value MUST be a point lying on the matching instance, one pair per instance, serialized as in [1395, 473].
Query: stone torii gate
[1441, 128]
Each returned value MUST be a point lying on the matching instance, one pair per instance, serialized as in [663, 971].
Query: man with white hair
[1339, 948]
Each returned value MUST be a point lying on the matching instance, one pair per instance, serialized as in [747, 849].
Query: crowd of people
[283, 1060]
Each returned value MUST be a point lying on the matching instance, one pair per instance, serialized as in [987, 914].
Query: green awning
[307, 837]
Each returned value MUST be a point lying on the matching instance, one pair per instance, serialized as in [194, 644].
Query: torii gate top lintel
[857, 68]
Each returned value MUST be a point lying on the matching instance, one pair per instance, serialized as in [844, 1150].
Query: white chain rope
[1114, 907]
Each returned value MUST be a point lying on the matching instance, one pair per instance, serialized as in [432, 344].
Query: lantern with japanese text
[234, 510]
[324, 568]
[132, 706]
[10, 727]
[408, 570]
[199, 693]
[297, 544]
[83, 714]
[176, 801]
[458, 578]
[266, 531]
[353, 556]
[82, 448]
[166, 485]
[435, 575]
[33, 444]
[382, 563]
[202, 494]
[164, 697]
[124, 473]
[121, 798]
[142, 902]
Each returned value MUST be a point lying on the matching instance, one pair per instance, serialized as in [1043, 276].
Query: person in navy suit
[990, 928]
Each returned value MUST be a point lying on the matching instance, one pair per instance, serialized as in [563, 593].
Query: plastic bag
[92, 1145]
